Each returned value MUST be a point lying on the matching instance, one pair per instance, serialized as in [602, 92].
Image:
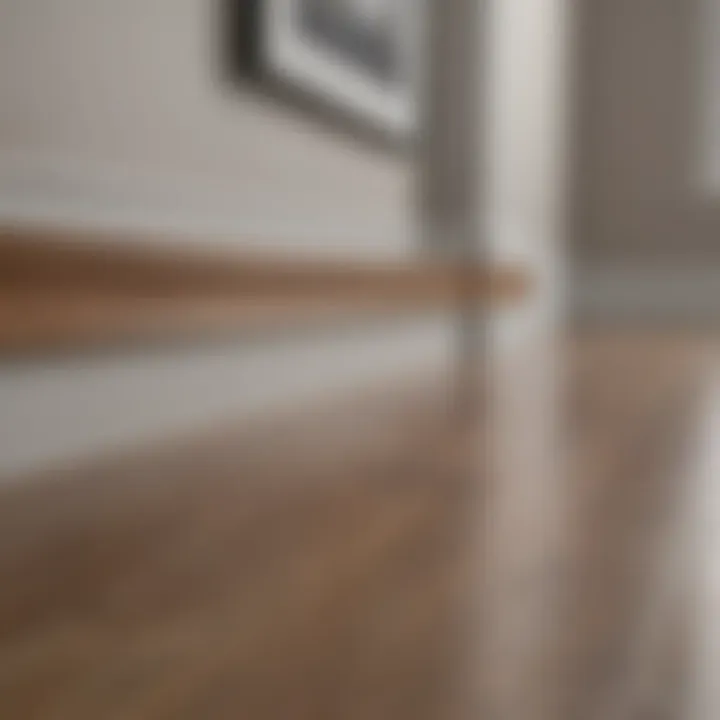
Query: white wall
[113, 112]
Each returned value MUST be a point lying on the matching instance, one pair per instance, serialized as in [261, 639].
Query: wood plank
[66, 289]
[321, 566]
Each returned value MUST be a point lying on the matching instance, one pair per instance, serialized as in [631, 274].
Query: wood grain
[327, 565]
[67, 289]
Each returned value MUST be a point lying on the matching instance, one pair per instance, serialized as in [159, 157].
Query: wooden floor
[329, 567]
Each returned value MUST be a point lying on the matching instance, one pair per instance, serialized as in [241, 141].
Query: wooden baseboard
[62, 289]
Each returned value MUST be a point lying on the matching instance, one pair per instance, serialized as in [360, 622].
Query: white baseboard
[58, 411]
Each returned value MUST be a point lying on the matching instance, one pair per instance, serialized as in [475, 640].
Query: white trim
[61, 411]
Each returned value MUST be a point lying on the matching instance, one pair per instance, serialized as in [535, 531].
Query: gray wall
[641, 187]
[709, 48]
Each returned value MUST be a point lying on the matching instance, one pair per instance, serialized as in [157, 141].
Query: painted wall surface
[116, 112]
[642, 171]
[708, 150]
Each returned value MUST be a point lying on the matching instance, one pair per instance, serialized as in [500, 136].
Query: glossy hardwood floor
[332, 565]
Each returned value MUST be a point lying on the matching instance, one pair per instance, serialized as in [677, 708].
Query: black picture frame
[249, 62]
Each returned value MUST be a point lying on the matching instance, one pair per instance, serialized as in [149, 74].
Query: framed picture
[356, 60]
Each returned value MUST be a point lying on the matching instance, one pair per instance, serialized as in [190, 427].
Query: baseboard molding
[666, 293]
[58, 414]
